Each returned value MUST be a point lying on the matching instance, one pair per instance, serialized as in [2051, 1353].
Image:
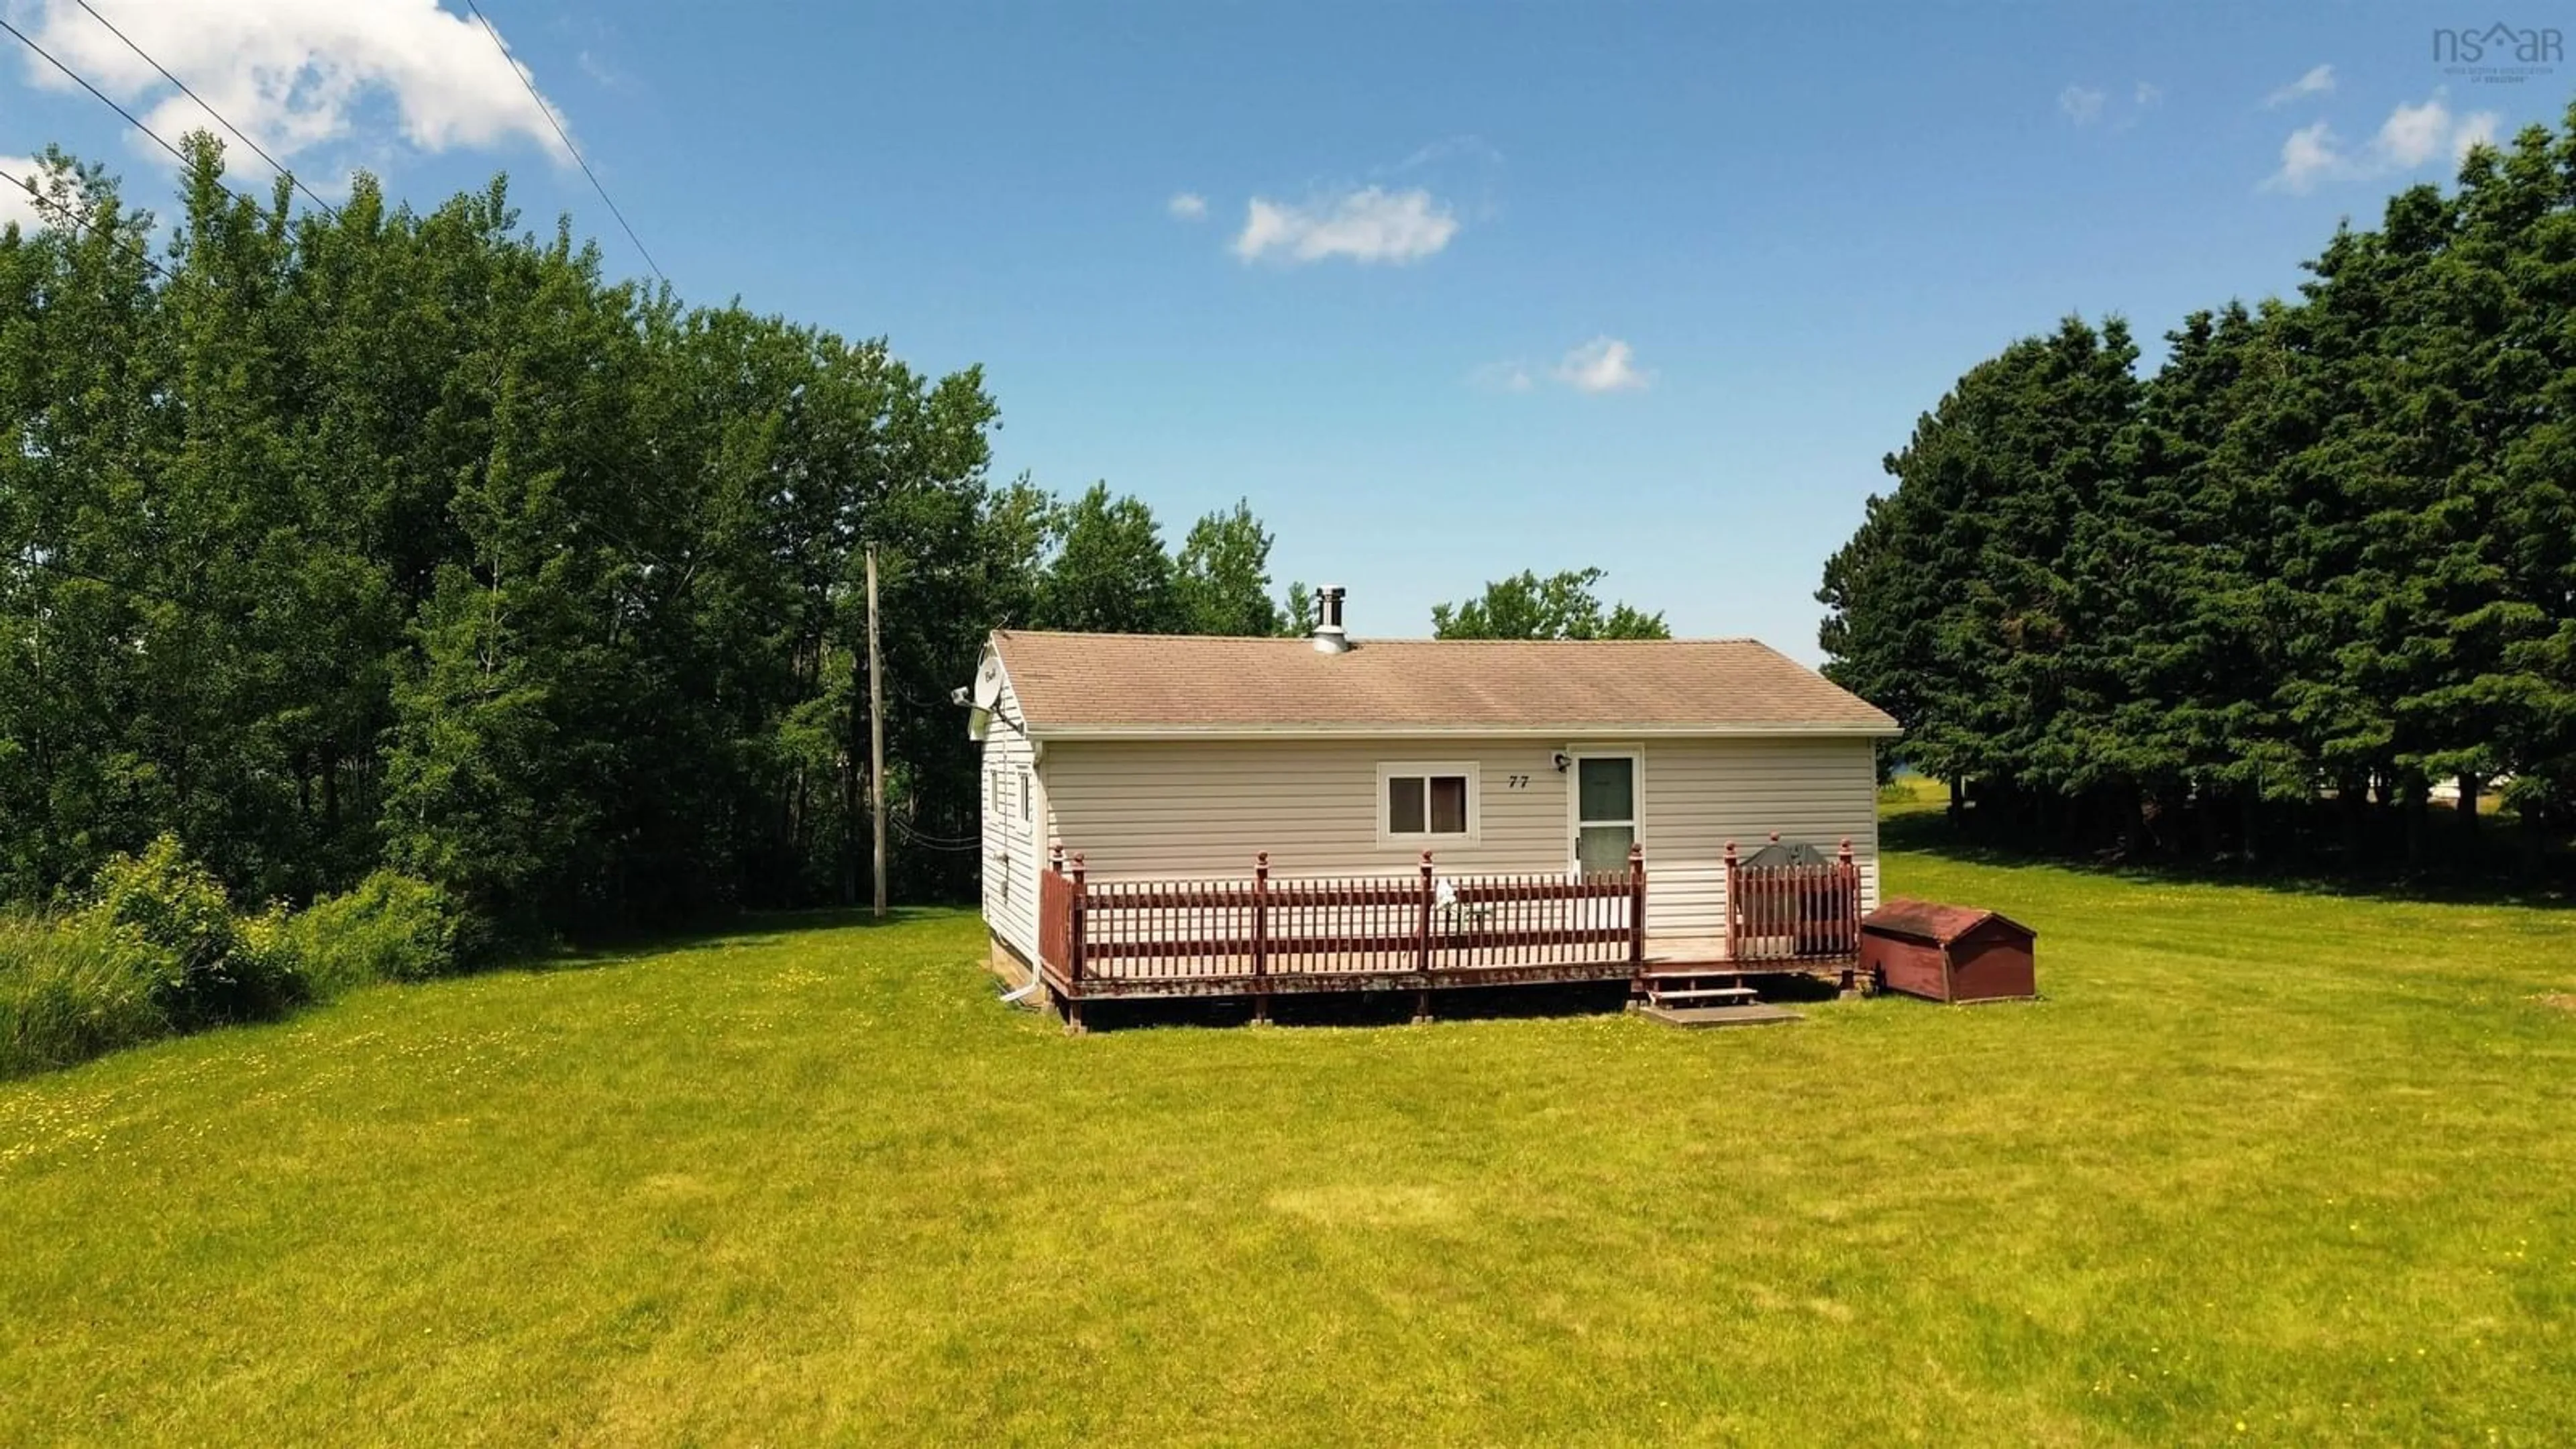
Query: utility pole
[876, 737]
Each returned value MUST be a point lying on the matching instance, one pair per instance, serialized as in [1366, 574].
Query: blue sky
[1470, 289]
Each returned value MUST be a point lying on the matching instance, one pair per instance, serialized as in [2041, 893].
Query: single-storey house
[1187, 816]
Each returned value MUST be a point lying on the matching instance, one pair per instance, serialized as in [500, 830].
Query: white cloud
[1604, 364]
[1474, 147]
[2411, 136]
[1371, 224]
[2310, 155]
[602, 74]
[298, 74]
[1187, 205]
[2319, 81]
[1513, 376]
[2095, 106]
[2475, 129]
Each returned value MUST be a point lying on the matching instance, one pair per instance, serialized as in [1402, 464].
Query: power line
[76, 220]
[209, 109]
[913, 832]
[103, 96]
[123, 588]
[549, 112]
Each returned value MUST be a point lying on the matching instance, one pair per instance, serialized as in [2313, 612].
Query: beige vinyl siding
[1201, 808]
[1206, 807]
[1012, 847]
[1699, 794]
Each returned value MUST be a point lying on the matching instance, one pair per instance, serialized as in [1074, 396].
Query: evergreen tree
[2328, 550]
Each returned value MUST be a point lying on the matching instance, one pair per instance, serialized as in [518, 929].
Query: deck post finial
[1426, 862]
[1637, 918]
[1055, 856]
[1775, 837]
[1077, 867]
[1846, 850]
[1261, 862]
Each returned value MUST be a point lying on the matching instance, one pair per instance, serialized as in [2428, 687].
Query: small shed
[1948, 953]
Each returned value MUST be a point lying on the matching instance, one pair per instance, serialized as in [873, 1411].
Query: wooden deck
[1260, 937]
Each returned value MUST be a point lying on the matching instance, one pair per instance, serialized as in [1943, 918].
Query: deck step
[1754, 1015]
[1741, 995]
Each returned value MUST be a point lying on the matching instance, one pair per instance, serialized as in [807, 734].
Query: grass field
[2263, 1167]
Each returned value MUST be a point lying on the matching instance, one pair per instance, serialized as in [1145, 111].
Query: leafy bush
[71, 989]
[389, 927]
[220, 969]
[266, 947]
[158, 950]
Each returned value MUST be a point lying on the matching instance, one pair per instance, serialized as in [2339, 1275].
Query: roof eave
[1704, 730]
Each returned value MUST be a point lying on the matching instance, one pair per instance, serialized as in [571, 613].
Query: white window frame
[1028, 793]
[1389, 838]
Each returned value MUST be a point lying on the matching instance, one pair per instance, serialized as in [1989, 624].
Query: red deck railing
[1792, 913]
[1262, 932]
[1141, 931]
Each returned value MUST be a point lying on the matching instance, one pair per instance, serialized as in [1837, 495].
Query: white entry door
[1605, 812]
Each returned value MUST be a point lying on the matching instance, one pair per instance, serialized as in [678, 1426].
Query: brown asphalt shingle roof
[1187, 683]
[1932, 921]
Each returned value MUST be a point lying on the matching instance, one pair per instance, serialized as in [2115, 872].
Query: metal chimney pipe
[1328, 636]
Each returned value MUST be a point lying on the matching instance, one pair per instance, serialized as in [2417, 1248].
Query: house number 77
[1517, 782]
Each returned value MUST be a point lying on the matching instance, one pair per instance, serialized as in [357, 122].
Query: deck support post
[1073, 955]
[1261, 939]
[1422, 945]
[1636, 921]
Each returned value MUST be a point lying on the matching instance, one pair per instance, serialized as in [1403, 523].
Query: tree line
[334, 542]
[2266, 601]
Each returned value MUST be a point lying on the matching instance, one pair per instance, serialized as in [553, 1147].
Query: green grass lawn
[2262, 1168]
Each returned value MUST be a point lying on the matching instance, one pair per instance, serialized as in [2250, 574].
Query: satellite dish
[988, 694]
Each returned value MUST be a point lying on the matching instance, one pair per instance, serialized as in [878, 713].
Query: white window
[1426, 804]
[1027, 789]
